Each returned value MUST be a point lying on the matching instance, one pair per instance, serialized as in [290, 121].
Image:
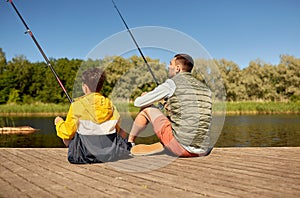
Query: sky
[239, 31]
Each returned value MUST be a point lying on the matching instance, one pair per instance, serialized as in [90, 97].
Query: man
[185, 129]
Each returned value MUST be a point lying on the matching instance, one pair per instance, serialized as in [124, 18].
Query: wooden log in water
[17, 130]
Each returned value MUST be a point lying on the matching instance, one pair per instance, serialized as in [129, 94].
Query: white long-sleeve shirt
[162, 91]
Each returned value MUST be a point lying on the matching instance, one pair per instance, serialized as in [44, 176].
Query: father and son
[92, 131]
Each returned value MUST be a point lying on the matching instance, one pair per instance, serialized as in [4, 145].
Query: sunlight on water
[238, 131]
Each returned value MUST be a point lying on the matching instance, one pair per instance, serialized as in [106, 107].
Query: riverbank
[262, 108]
[35, 109]
[232, 108]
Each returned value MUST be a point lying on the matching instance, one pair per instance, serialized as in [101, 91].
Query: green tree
[15, 77]
[252, 80]
[6, 84]
[14, 97]
[3, 62]
[137, 78]
[232, 77]
[5, 79]
[288, 82]
[207, 71]
[26, 82]
[269, 73]
[66, 71]
[37, 83]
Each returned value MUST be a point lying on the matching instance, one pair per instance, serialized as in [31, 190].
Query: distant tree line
[261, 81]
[24, 82]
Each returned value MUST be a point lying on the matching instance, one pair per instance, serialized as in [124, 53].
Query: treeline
[24, 82]
[261, 81]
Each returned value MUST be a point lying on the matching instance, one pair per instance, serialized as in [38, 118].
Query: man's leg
[163, 129]
[145, 116]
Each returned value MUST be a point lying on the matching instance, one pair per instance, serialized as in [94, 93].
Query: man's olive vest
[189, 110]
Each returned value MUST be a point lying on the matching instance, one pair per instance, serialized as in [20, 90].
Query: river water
[238, 131]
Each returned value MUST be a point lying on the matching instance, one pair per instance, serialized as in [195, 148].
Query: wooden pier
[227, 172]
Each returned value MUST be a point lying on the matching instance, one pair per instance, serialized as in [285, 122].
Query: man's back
[189, 111]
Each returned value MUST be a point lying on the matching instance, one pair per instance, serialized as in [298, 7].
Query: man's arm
[162, 91]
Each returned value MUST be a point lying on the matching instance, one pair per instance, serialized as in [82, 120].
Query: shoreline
[232, 108]
[33, 114]
[260, 113]
[228, 113]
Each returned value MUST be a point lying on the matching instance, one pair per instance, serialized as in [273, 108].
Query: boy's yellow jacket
[92, 114]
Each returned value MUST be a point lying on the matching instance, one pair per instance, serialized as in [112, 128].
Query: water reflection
[260, 130]
[238, 131]
[45, 137]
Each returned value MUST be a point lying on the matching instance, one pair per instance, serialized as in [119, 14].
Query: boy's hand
[57, 119]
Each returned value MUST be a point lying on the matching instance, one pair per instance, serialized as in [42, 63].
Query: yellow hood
[94, 107]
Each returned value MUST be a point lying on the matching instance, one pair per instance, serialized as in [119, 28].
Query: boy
[91, 128]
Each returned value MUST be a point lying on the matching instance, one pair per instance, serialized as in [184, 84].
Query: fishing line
[40, 49]
[136, 44]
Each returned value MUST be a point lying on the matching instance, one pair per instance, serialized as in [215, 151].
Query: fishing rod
[40, 49]
[136, 44]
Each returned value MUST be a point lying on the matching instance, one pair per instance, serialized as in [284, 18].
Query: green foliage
[24, 82]
[262, 82]
[137, 79]
[2, 61]
[14, 97]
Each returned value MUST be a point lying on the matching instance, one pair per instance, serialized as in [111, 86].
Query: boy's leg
[66, 142]
[122, 133]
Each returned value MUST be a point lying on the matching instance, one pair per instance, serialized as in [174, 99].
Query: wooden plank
[227, 172]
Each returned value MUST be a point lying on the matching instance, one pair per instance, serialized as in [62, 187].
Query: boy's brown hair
[94, 78]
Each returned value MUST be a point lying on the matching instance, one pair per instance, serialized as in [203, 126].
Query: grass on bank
[263, 107]
[35, 108]
[231, 108]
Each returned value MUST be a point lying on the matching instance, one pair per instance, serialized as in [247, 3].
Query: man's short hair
[186, 61]
[94, 78]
